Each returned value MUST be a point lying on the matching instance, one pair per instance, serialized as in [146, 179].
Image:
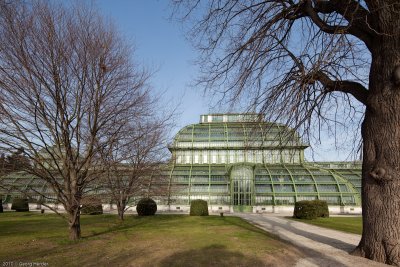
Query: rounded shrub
[198, 207]
[309, 210]
[20, 204]
[91, 206]
[146, 207]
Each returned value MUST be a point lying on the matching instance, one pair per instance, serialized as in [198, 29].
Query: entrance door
[242, 188]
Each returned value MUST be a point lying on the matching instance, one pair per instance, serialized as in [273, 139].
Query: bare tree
[66, 84]
[316, 62]
[135, 162]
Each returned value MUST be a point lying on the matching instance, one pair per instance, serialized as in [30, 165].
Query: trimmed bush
[20, 204]
[198, 207]
[146, 207]
[322, 208]
[91, 206]
[309, 210]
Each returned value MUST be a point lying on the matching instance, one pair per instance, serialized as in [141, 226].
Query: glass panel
[199, 188]
[348, 200]
[281, 178]
[263, 188]
[305, 188]
[199, 179]
[283, 188]
[218, 178]
[324, 178]
[219, 189]
[327, 188]
[262, 178]
[299, 198]
[280, 200]
[304, 179]
[265, 200]
[331, 199]
[344, 188]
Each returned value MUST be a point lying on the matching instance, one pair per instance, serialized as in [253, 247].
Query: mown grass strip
[346, 224]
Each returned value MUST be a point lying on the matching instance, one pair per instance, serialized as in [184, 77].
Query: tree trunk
[121, 209]
[381, 155]
[74, 226]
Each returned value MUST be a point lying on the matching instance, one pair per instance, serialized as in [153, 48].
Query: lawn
[161, 240]
[346, 224]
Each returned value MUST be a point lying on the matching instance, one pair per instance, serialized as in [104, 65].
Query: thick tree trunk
[74, 226]
[381, 159]
[381, 188]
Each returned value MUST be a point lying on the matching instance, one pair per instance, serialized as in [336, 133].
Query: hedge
[313, 209]
[20, 204]
[198, 207]
[91, 206]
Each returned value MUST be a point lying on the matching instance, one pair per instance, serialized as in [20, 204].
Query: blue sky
[160, 44]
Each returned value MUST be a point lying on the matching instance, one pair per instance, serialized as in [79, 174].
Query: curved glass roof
[246, 132]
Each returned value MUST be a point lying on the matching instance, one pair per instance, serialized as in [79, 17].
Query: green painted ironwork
[204, 154]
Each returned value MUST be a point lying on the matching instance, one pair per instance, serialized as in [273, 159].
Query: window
[258, 155]
[250, 156]
[328, 188]
[213, 154]
[305, 188]
[240, 156]
[205, 157]
[232, 156]
[222, 156]
[263, 188]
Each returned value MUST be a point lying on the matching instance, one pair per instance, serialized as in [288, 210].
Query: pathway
[323, 247]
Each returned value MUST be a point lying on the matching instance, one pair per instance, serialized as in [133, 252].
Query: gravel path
[323, 247]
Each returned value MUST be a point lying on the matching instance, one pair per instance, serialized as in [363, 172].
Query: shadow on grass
[117, 227]
[213, 255]
[244, 224]
[131, 222]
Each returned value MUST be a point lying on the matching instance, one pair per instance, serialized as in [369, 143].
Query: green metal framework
[238, 160]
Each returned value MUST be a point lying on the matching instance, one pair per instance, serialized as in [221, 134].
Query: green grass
[161, 240]
[346, 224]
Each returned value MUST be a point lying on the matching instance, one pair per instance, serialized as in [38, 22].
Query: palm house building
[238, 163]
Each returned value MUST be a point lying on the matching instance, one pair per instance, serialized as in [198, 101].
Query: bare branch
[349, 87]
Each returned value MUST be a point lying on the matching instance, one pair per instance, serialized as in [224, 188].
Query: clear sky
[161, 44]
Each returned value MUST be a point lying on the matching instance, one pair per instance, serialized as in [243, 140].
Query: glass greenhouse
[237, 161]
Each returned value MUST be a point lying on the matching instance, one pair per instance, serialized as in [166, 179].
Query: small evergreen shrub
[146, 207]
[91, 206]
[309, 210]
[198, 207]
[20, 204]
